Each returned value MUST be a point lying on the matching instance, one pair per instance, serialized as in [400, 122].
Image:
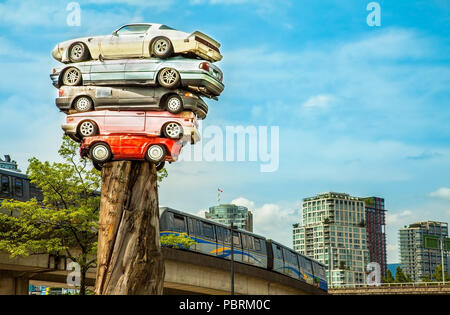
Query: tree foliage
[389, 278]
[401, 277]
[66, 222]
[182, 241]
[437, 275]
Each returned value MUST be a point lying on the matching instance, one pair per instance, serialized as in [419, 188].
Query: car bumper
[197, 48]
[191, 135]
[55, 80]
[63, 103]
[203, 83]
[57, 53]
[195, 104]
[69, 129]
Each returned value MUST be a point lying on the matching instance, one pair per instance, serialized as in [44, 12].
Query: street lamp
[232, 257]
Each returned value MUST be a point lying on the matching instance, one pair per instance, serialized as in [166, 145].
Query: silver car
[88, 98]
[194, 74]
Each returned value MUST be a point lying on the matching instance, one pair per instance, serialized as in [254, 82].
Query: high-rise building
[241, 217]
[334, 232]
[376, 231]
[416, 260]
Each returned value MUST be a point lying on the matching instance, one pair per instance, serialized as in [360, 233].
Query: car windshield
[133, 29]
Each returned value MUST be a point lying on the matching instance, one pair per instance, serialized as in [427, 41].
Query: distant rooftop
[9, 164]
[332, 195]
[425, 224]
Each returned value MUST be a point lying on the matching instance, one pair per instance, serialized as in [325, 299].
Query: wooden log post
[129, 253]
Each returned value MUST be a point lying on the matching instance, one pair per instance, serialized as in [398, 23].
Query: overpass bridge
[186, 273]
[424, 288]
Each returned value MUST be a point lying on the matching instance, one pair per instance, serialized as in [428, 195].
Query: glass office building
[240, 216]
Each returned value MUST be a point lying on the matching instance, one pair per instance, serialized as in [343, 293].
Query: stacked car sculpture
[136, 94]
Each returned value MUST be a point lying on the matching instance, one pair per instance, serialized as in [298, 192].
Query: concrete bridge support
[12, 283]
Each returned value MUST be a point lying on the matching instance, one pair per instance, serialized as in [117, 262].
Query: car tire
[160, 166]
[173, 130]
[169, 78]
[155, 153]
[78, 52]
[174, 104]
[83, 104]
[161, 48]
[71, 77]
[100, 153]
[87, 128]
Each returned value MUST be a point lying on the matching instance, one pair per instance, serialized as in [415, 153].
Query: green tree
[389, 278]
[401, 277]
[437, 275]
[182, 241]
[66, 222]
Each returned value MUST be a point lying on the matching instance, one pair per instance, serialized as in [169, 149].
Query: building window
[5, 185]
[18, 188]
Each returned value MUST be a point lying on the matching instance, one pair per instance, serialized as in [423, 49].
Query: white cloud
[241, 201]
[318, 101]
[272, 220]
[400, 218]
[201, 213]
[443, 192]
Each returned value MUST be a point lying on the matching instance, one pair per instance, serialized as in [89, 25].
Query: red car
[102, 149]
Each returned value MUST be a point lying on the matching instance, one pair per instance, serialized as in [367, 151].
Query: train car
[214, 239]
[293, 264]
[320, 275]
[16, 185]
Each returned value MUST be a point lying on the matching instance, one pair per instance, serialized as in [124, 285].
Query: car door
[108, 72]
[138, 97]
[142, 70]
[127, 41]
[124, 122]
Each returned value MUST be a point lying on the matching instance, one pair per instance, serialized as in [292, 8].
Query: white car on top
[138, 40]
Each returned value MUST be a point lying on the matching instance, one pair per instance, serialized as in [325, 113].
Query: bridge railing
[406, 284]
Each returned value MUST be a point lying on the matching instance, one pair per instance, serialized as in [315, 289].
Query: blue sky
[363, 110]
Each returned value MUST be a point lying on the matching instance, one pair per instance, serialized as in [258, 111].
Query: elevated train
[214, 239]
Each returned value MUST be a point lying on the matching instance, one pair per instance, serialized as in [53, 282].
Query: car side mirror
[115, 33]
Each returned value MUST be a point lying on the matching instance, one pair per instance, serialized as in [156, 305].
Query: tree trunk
[129, 253]
[83, 281]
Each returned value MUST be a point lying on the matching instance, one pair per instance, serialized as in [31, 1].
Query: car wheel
[174, 104]
[160, 166]
[78, 52]
[161, 48]
[100, 153]
[173, 130]
[72, 77]
[83, 104]
[87, 129]
[169, 78]
[156, 153]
